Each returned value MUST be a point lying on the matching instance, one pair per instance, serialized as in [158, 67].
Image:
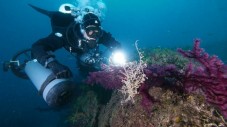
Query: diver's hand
[59, 70]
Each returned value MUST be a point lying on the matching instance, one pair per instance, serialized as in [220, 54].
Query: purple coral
[210, 77]
[109, 77]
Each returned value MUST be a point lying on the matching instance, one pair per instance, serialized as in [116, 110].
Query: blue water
[155, 23]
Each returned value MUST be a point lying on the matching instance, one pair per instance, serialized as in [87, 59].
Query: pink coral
[109, 77]
[210, 77]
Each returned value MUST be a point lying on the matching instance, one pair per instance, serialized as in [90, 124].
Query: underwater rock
[84, 112]
[169, 109]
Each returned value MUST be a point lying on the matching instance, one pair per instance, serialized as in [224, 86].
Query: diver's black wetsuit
[70, 38]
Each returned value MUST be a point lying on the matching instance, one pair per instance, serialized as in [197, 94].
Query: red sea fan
[109, 77]
[210, 77]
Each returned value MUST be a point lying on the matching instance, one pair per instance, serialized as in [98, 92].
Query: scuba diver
[79, 31]
[79, 34]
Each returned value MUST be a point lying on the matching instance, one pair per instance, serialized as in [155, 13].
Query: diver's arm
[110, 42]
[40, 49]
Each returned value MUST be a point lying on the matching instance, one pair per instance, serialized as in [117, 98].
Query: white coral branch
[134, 77]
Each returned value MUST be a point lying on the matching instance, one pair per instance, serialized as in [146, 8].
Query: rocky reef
[173, 89]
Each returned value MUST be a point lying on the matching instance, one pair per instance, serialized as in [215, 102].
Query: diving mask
[93, 32]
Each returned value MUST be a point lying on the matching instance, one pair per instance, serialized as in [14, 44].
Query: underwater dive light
[117, 58]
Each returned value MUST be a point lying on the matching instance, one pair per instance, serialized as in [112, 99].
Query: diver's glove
[60, 71]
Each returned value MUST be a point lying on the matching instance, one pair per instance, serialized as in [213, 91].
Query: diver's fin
[45, 12]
